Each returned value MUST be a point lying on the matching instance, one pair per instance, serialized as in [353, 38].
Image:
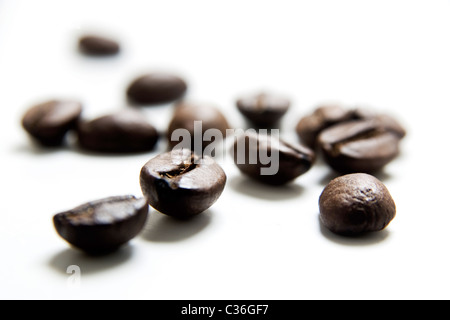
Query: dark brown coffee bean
[270, 160]
[358, 146]
[126, 131]
[207, 116]
[384, 120]
[310, 126]
[181, 184]
[263, 110]
[98, 46]
[49, 122]
[356, 203]
[155, 88]
[104, 225]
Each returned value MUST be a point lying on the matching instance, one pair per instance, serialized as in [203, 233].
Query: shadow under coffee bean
[163, 228]
[266, 192]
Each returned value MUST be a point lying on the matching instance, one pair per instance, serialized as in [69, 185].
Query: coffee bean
[125, 131]
[358, 146]
[155, 88]
[98, 45]
[310, 126]
[104, 225]
[356, 203]
[384, 120]
[49, 122]
[207, 116]
[263, 110]
[181, 184]
[270, 160]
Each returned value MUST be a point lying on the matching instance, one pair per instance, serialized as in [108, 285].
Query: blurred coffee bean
[196, 119]
[98, 45]
[181, 184]
[49, 122]
[358, 146]
[310, 126]
[126, 131]
[156, 88]
[263, 110]
[356, 203]
[386, 121]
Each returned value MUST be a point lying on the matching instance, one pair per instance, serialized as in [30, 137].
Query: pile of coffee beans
[183, 181]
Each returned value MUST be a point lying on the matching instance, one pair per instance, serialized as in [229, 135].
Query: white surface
[255, 242]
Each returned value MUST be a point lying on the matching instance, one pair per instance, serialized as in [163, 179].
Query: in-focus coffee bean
[181, 184]
[271, 160]
[206, 117]
[49, 122]
[103, 225]
[156, 88]
[359, 146]
[356, 203]
[126, 131]
[310, 126]
[263, 110]
[95, 45]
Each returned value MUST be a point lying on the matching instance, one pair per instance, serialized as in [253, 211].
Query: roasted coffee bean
[49, 122]
[181, 184]
[197, 119]
[98, 45]
[359, 146]
[104, 225]
[263, 110]
[310, 126]
[384, 120]
[270, 160]
[156, 88]
[126, 131]
[356, 203]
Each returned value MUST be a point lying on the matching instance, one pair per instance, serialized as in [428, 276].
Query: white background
[256, 242]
